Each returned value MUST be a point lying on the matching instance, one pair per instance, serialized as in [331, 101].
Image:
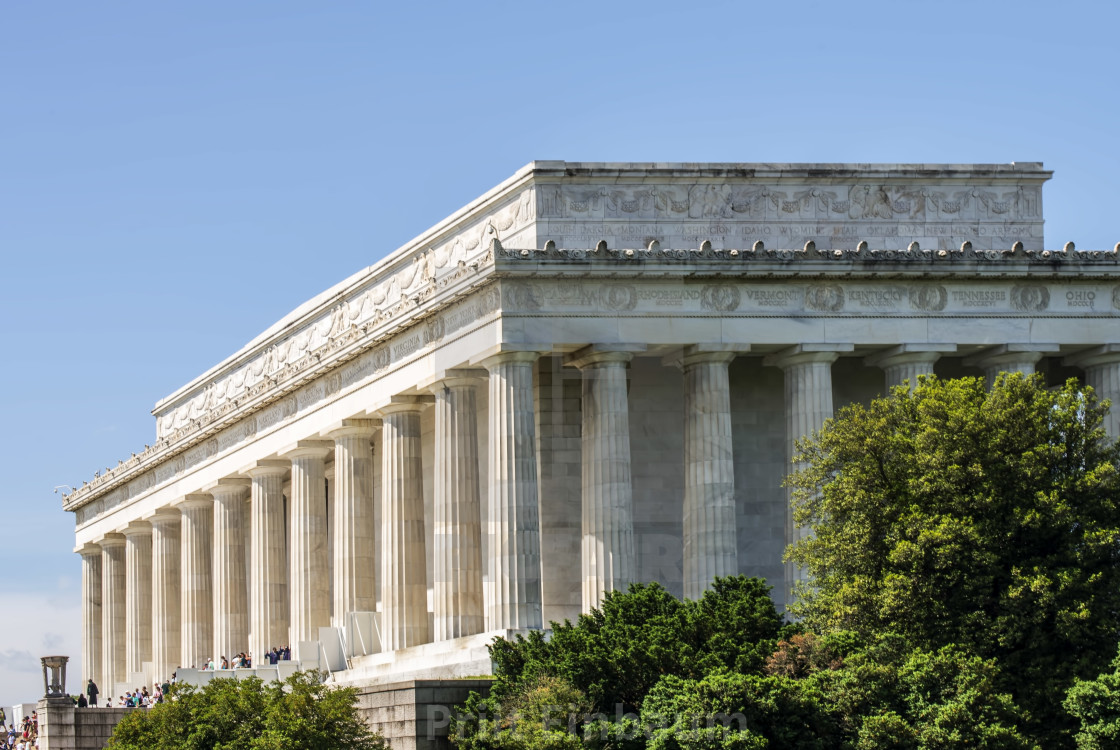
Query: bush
[227, 714]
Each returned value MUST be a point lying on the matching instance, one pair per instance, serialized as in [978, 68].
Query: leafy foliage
[1096, 705]
[689, 686]
[227, 714]
[617, 653]
[985, 520]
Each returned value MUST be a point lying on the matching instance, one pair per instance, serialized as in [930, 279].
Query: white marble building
[593, 374]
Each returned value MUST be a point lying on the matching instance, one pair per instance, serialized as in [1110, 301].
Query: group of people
[24, 737]
[244, 660]
[241, 661]
[139, 698]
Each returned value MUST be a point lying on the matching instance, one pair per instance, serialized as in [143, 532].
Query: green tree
[226, 714]
[890, 695]
[616, 653]
[606, 663]
[1096, 704]
[987, 520]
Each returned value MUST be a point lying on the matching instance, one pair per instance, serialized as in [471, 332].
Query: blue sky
[177, 176]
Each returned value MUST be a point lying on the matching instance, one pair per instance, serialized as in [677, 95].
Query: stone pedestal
[513, 600]
[196, 588]
[91, 614]
[231, 533]
[166, 593]
[57, 724]
[112, 612]
[457, 557]
[353, 531]
[404, 585]
[138, 596]
[309, 594]
[710, 542]
[607, 552]
[268, 585]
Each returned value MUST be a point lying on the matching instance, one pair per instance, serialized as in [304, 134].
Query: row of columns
[183, 586]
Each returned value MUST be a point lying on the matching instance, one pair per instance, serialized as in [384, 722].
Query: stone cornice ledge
[759, 259]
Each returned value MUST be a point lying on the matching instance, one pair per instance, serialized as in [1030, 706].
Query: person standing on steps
[91, 691]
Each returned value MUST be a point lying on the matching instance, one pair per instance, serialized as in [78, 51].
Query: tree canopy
[246, 714]
[981, 519]
[648, 670]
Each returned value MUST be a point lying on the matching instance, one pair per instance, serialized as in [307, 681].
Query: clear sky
[175, 177]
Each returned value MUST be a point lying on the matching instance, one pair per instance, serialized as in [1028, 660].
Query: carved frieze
[854, 297]
[882, 201]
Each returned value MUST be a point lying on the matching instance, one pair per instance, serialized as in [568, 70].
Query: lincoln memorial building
[592, 375]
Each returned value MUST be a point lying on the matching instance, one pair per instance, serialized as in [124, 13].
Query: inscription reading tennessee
[979, 297]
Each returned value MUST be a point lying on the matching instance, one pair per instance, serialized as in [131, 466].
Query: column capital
[502, 353]
[194, 500]
[1101, 355]
[398, 404]
[598, 355]
[803, 354]
[698, 354]
[455, 377]
[1009, 353]
[507, 357]
[266, 467]
[905, 354]
[229, 486]
[111, 539]
[89, 549]
[164, 517]
[352, 428]
[307, 449]
[137, 528]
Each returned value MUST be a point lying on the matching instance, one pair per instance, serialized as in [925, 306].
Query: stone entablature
[563, 219]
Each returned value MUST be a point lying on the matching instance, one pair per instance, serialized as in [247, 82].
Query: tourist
[82, 702]
[91, 691]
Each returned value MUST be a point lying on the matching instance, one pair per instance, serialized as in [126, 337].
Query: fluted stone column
[196, 587]
[231, 533]
[908, 362]
[166, 593]
[513, 599]
[710, 539]
[91, 615]
[457, 557]
[138, 596]
[1009, 358]
[112, 612]
[808, 397]
[1102, 372]
[404, 585]
[353, 531]
[607, 553]
[309, 587]
[268, 573]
